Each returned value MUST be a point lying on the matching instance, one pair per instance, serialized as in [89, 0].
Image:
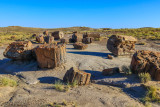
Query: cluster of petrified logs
[121, 45]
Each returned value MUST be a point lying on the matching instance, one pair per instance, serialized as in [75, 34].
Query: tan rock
[121, 45]
[58, 35]
[49, 39]
[80, 46]
[87, 40]
[92, 34]
[40, 39]
[50, 55]
[77, 37]
[81, 77]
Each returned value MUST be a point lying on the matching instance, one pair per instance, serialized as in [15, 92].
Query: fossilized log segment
[50, 55]
[40, 39]
[80, 46]
[87, 40]
[93, 35]
[146, 61]
[58, 35]
[49, 39]
[77, 37]
[81, 77]
[20, 50]
[121, 45]
[65, 40]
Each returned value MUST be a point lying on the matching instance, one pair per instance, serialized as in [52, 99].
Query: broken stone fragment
[80, 46]
[20, 50]
[110, 71]
[49, 39]
[110, 57]
[146, 61]
[40, 39]
[50, 55]
[121, 45]
[87, 40]
[77, 37]
[58, 35]
[75, 75]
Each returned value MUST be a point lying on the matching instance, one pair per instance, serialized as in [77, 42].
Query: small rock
[110, 71]
[80, 46]
[110, 57]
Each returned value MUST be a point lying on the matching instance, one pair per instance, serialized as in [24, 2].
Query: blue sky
[89, 13]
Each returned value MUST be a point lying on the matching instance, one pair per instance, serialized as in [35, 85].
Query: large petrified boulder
[87, 40]
[49, 39]
[146, 61]
[92, 34]
[50, 55]
[77, 37]
[20, 50]
[58, 35]
[121, 45]
[80, 46]
[40, 39]
[75, 75]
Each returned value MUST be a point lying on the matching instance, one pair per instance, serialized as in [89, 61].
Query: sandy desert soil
[36, 86]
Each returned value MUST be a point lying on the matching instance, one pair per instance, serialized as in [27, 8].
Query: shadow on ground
[48, 80]
[99, 54]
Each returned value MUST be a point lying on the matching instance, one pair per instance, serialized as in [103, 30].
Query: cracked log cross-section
[50, 55]
[121, 45]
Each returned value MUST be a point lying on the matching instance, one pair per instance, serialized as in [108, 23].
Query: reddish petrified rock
[146, 61]
[80, 46]
[58, 35]
[49, 39]
[87, 40]
[40, 39]
[50, 55]
[110, 71]
[74, 75]
[20, 50]
[77, 37]
[65, 40]
[121, 45]
[110, 57]
[92, 34]
[45, 32]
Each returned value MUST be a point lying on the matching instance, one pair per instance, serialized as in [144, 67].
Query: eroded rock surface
[121, 45]
[80, 46]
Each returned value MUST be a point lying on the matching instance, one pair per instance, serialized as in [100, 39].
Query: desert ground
[36, 86]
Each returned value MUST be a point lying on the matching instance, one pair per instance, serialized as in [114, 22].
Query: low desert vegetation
[63, 104]
[152, 94]
[144, 77]
[141, 43]
[4, 81]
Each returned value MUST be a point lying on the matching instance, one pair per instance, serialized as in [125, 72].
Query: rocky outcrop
[121, 45]
[146, 61]
[74, 75]
[50, 55]
[87, 40]
[58, 35]
[20, 50]
[40, 39]
[110, 71]
[80, 46]
[77, 37]
[93, 35]
[49, 39]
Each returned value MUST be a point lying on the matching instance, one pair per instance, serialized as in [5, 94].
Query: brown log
[80, 46]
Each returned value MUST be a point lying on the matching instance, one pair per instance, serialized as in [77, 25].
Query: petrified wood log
[58, 35]
[45, 32]
[146, 61]
[80, 46]
[40, 39]
[49, 39]
[50, 55]
[93, 35]
[65, 40]
[77, 37]
[87, 40]
[121, 45]
[20, 50]
[74, 75]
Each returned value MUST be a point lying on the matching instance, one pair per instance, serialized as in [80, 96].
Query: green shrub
[144, 77]
[7, 82]
[152, 94]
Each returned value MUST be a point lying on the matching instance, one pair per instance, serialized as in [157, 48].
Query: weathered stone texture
[121, 45]
[80, 46]
[50, 55]
[146, 61]
[74, 75]
[49, 39]
[92, 34]
[58, 35]
[77, 37]
[20, 50]
[40, 39]
[87, 40]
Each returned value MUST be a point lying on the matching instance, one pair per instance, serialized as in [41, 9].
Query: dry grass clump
[144, 77]
[63, 104]
[141, 43]
[126, 70]
[152, 94]
[7, 82]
